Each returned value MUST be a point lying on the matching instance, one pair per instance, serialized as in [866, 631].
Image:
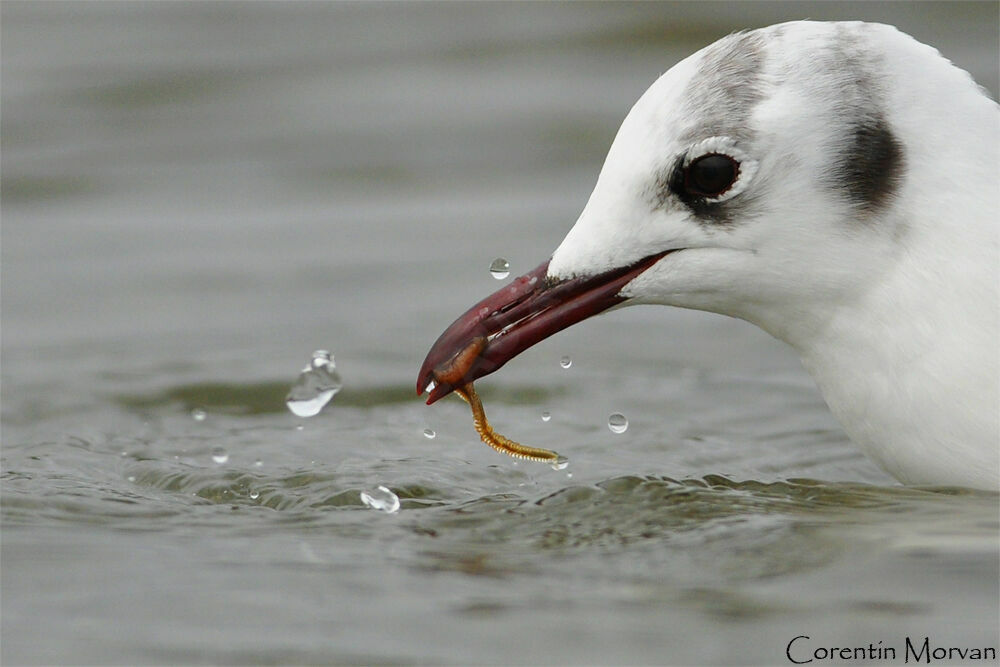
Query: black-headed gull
[835, 184]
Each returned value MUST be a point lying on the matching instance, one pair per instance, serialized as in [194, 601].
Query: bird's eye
[711, 175]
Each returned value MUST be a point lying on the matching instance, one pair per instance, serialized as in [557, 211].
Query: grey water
[195, 196]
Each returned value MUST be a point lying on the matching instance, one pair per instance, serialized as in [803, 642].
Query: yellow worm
[497, 441]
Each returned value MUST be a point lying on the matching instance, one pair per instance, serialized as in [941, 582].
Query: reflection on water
[194, 194]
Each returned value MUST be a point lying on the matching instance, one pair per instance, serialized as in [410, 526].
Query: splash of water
[382, 499]
[316, 385]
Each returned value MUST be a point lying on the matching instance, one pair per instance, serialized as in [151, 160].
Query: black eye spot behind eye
[710, 175]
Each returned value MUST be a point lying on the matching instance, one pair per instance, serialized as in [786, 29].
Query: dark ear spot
[871, 164]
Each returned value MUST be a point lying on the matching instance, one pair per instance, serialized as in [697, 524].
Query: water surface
[197, 196]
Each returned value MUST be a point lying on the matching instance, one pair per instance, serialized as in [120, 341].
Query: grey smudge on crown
[727, 87]
[720, 100]
[869, 161]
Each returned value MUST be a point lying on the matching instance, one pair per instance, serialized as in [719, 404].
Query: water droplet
[560, 463]
[500, 268]
[220, 455]
[198, 415]
[429, 433]
[546, 416]
[381, 499]
[617, 423]
[316, 385]
[254, 495]
[258, 463]
[299, 427]
[566, 361]
[569, 475]
[131, 478]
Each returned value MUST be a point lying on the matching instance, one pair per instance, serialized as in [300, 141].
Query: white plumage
[862, 228]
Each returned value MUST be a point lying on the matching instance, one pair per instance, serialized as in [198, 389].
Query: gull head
[778, 167]
[832, 183]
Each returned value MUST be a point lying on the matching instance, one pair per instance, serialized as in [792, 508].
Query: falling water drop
[258, 463]
[566, 361]
[220, 455]
[560, 463]
[382, 499]
[316, 385]
[617, 423]
[429, 433]
[500, 268]
[254, 495]
[546, 416]
[198, 415]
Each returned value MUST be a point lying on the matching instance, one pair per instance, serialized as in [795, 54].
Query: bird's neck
[910, 367]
